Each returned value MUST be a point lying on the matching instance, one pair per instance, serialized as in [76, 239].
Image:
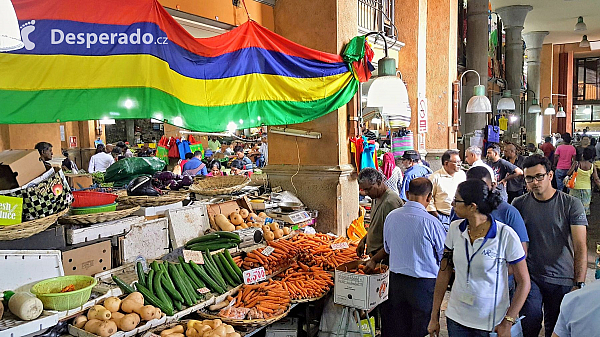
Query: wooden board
[187, 223]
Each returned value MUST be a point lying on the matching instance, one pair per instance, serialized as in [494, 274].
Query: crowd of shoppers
[510, 244]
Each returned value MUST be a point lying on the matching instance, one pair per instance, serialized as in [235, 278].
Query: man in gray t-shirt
[557, 254]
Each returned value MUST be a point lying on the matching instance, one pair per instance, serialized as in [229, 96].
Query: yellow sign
[11, 210]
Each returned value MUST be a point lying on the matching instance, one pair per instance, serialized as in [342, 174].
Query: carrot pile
[316, 250]
[238, 260]
[265, 300]
[281, 257]
[360, 269]
[305, 282]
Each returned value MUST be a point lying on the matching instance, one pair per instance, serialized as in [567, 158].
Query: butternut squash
[99, 312]
[101, 328]
[224, 224]
[286, 231]
[266, 228]
[136, 297]
[278, 233]
[127, 322]
[175, 329]
[269, 236]
[263, 215]
[80, 321]
[113, 304]
[274, 226]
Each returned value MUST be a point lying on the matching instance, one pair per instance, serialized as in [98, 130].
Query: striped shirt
[414, 239]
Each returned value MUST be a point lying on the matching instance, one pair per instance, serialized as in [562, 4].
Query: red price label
[254, 275]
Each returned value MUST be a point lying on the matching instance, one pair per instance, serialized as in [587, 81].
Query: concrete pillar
[318, 170]
[513, 18]
[477, 59]
[533, 46]
[130, 131]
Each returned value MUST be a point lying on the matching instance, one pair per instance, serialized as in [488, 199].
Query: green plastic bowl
[48, 291]
[95, 209]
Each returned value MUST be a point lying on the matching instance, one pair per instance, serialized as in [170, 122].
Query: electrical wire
[297, 169]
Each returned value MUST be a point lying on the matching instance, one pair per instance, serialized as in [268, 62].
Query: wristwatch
[511, 320]
[580, 284]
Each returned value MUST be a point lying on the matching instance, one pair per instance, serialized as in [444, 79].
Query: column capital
[514, 16]
[534, 40]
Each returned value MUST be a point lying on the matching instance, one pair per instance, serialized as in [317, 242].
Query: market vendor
[101, 160]
[215, 169]
[45, 151]
[208, 157]
[195, 166]
[241, 156]
[237, 167]
[68, 164]
[370, 182]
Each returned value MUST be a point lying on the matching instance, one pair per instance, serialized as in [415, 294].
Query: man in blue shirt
[195, 166]
[410, 160]
[414, 241]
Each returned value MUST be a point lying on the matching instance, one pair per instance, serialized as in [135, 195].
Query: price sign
[254, 275]
[192, 255]
[341, 245]
[203, 290]
[267, 251]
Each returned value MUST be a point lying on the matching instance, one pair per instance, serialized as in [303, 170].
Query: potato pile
[206, 328]
[239, 220]
[272, 231]
[115, 314]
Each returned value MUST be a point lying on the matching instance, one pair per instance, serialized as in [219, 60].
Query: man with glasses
[445, 181]
[557, 255]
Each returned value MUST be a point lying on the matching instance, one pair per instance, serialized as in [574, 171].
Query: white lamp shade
[584, 42]
[10, 35]
[389, 93]
[550, 110]
[580, 26]
[534, 109]
[506, 103]
[561, 112]
[479, 103]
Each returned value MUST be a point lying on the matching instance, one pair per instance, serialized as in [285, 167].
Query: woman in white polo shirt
[473, 247]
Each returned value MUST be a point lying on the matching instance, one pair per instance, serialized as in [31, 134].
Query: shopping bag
[401, 144]
[569, 181]
[364, 326]
[197, 147]
[163, 154]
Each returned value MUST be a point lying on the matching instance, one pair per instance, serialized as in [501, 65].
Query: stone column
[477, 59]
[513, 18]
[533, 46]
[318, 170]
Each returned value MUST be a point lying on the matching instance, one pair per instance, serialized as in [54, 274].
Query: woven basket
[242, 322]
[149, 201]
[219, 185]
[94, 218]
[311, 299]
[29, 228]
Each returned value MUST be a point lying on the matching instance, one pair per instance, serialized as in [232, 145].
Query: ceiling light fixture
[561, 112]
[584, 42]
[506, 102]
[580, 26]
[10, 35]
[479, 103]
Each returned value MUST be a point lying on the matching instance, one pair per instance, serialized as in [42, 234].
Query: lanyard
[470, 259]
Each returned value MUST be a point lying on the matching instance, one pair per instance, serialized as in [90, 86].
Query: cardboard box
[88, 260]
[227, 208]
[360, 291]
[285, 327]
[18, 167]
[79, 181]
[52, 238]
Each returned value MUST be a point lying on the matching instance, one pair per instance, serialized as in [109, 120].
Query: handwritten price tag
[192, 255]
[341, 245]
[267, 251]
[254, 275]
[203, 290]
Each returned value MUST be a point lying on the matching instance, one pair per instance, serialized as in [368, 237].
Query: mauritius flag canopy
[92, 60]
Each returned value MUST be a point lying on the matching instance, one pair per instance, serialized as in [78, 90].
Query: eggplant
[172, 185]
[164, 176]
[187, 180]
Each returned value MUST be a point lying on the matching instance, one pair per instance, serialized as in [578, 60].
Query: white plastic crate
[102, 230]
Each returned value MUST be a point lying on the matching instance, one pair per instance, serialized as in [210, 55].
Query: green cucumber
[212, 284]
[190, 273]
[169, 287]
[229, 269]
[204, 238]
[235, 267]
[177, 305]
[150, 280]
[213, 246]
[229, 235]
[140, 274]
[223, 272]
[179, 285]
[158, 290]
[154, 265]
[148, 296]
[126, 288]
[213, 271]
[187, 283]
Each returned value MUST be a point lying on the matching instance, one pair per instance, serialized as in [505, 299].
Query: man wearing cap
[410, 161]
[208, 157]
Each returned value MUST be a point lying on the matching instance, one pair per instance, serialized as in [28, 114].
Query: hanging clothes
[173, 149]
[357, 149]
[503, 122]
[368, 158]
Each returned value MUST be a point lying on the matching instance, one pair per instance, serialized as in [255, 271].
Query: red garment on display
[173, 149]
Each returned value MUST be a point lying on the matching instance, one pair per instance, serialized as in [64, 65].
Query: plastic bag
[127, 169]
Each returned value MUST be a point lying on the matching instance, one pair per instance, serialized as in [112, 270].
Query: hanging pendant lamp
[584, 42]
[580, 26]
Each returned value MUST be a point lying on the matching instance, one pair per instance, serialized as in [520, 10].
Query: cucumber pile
[214, 241]
[169, 286]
